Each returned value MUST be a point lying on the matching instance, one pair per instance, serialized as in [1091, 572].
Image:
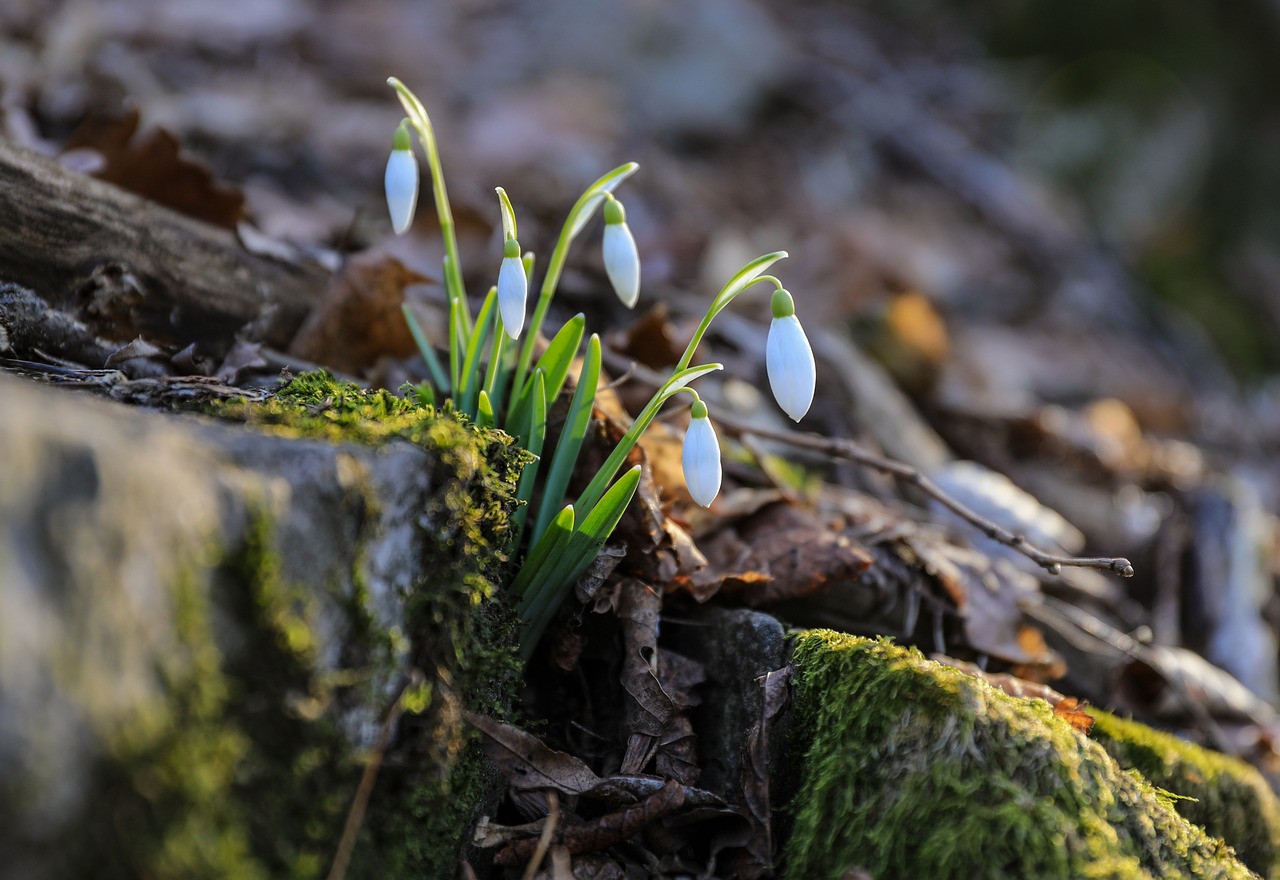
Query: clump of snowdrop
[493, 378]
[789, 359]
[700, 456]
[621, 259]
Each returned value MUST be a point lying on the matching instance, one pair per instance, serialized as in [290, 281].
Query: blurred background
[1053, 229]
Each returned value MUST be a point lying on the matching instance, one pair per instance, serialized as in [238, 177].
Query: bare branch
[837, 447]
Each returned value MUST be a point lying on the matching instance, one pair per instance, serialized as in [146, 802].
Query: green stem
[746, 276]
[426, 134]
[579, 214]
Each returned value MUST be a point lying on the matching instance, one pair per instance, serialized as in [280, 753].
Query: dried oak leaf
[1071, 710]
[753, 859]
[151, 165]
[791, 554]
[359, 320]
[527, 763]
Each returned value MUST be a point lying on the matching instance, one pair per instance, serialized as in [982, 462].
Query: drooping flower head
[621, 259]
[401, 181]
[700, 456]
[513, 289]
[789, 359]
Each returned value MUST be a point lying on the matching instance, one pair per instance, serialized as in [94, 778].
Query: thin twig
[355, 816]
[544, 842]
[837, 447]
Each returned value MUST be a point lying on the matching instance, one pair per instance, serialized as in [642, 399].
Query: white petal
[622, 262]
[701, 460]
[401, 182]
[789, 359]
[513, 289]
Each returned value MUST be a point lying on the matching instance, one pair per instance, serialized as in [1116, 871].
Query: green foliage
[525, 413]
[913, 769]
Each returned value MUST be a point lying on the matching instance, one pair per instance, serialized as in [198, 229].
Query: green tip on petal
[614, 212]
[510, 248]
[698, 410]
[782, 305]
[401, 139]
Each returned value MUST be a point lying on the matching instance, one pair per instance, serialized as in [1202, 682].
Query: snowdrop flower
[401, 181]
[789, 358]
[621, 259]
[701, 457]
[513, 289]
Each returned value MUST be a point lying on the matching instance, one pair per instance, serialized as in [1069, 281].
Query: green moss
[431, 824]
[912, 769]
[1224, 795]
[460, 632]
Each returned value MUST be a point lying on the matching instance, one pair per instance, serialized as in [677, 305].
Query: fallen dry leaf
[1071, 710]
[151, 165]
[527, 764]
[359, 320]
[758, 855]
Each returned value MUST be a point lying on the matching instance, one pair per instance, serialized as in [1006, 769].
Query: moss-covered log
[913, 769]
[202, 626]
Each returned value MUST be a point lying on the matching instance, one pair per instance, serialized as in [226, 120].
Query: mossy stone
[913, 769]
[1224, 795]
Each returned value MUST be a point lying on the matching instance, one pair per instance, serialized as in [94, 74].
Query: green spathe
[913, 769]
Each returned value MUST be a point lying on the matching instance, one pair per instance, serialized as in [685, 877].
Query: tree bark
[124, 266]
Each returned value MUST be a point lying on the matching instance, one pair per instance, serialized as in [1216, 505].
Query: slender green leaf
[469, 381]
[425, 395]
[575, 429]
[484, 411]
[532, 440]
[428, 353]
[493, 374]
[540, 556]
[555, 363]
[555, 579]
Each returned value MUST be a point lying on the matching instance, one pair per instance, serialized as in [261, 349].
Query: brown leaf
[1071, 710]
[359, 320]
[652, 340]
[648, 709]
[755, 775]
[150, 165]
[527, 763]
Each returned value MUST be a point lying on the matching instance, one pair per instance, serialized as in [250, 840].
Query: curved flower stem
[579, 214]
[595, 489]
[426, 134]
[748, 275]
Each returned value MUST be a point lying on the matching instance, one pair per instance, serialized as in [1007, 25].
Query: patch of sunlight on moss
[913, 769]
[1224, 795]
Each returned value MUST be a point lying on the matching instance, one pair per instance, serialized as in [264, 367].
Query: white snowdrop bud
[789, 359]
[401, 181]
[700, 457]
[513, 289]
[621, 259]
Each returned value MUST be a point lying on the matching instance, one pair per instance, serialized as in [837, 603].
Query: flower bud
[401, 181]
[789, 359]
[621, 259]
[513, 289]
[700, 457]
